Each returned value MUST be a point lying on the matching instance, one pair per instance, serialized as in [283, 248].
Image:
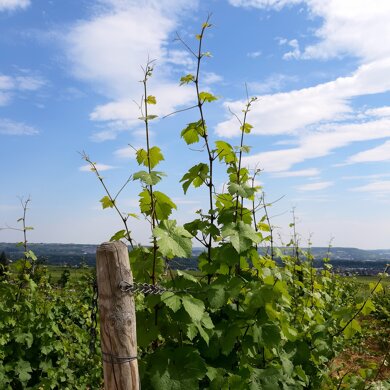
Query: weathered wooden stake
[117, 318]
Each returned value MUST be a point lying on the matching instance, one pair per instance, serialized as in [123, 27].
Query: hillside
[343, 259]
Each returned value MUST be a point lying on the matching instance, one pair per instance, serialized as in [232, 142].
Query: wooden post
[117, 318]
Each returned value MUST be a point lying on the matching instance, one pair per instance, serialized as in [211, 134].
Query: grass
[56, 271]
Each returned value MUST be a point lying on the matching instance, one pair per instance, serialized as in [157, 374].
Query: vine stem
[112, 199]
[211, 157]
[154, 221]
[271, 230]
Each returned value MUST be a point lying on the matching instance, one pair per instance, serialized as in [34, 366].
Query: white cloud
[4, 98]
[273, 83]
[254, 54]
[29, 83]
[9, 127]
[211, 78]
[9, 85]
[265, 4]
[377, 187]
[319, 143]
[99, 167]
[295, 53]
[315, 186]
[366, 177]
[185, 201]
[380, 153]
[6, 82]
[288, 112]
[353, 27]
[299, 173]
[11, 5]
[126, 152]
[317, 117]
[380, 111]
[108, 49]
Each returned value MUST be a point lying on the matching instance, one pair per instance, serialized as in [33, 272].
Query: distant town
[344, 260]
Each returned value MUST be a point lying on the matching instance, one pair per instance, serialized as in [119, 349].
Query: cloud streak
[10, 127]
[12, 5]
[108, 49]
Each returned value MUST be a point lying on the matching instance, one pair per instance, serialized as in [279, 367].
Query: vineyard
[241, 321]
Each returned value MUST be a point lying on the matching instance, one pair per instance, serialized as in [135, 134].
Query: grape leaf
[194, 307]
[154, 156]
[106, 202]
[197, 175]
[193, 132]
[172, 240]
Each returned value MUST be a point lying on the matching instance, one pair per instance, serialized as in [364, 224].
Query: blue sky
[69, 73]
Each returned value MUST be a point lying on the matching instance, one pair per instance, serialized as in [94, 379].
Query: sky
[69, 76]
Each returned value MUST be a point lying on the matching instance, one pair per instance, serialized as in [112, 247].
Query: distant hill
[346, 259]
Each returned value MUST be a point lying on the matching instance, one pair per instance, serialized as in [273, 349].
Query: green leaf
[186, 276]
[229, 338]
[25, 338]
[163, 205]
[148, 118]
[187, 79]
[216, 296]
[171, 300]
[203, 334]
[206, 97]
[270, 335]
[245, 148]
[106, 202]
[242, 190]
[289, 332]
[246, 128]
[242, 236]
[154, 157]
[264, 227]
[23, 368]
[197, 175]
[225, 152]
[151, 100]
[192, 331]
[192, 133]
[119, 235]
[224, 201]
[30, 255]
[151, 178]
[376, 288]
[194, 307]
[352, 328]
[368, 307]
[179, 368]
[172, 240]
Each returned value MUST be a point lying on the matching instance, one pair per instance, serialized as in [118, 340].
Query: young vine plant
[243, 321]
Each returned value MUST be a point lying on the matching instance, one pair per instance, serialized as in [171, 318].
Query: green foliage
[3, 264]
[245, 321]
[172, 240]
[150, 179]
[106, 202]
[45, 339]
[161, 206]
[207, 97]
[197, 175]
[192, 133]
[151, 158]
